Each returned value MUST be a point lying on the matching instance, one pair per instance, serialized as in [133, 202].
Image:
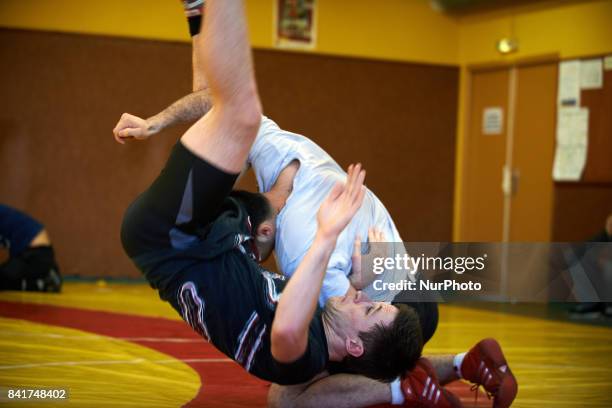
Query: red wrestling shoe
[422, 389]
[486, 365]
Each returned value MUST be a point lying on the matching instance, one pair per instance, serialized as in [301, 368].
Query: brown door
[484, 159]
[533, 151]
[525, 146]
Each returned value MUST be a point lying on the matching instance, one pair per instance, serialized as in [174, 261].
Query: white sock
[457, 361]
[397, 397]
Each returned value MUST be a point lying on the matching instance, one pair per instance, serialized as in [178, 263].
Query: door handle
[510, 181]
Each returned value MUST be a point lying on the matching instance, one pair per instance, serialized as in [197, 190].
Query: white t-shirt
[296, 223]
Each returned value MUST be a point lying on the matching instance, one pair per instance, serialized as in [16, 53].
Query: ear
[265, 231]
[354, 347]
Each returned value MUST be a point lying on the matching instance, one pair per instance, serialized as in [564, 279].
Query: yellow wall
[407, 30]
[565, 28]
[112, 17]
[150, 19]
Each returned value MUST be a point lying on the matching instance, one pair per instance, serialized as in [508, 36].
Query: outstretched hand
[132, 127]
[342, 203]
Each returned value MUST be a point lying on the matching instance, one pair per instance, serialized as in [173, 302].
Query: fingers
[129, 126]
[123, 135]
[372, 235]
[360, 188]
[349, 178]
[357, 248]
[130, 132]
[118, 139]
[359, 197]
[354, 182]
[356, 258]
[355, 190]
[354, 179]
[118, 128]
[336, 191]
[376, 235]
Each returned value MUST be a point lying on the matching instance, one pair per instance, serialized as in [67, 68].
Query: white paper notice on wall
[572, 144]
[591, 74]
[493, 121]
[568, 93]
[608, 63]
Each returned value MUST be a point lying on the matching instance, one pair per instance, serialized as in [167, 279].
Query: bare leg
[199, 79]
[336, 391]
[347, 390]
[443, 365]
[225, 134]
[195, 11]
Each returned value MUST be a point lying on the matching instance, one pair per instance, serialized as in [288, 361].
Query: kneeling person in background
[31, 264]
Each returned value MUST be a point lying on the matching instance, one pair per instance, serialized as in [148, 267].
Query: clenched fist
[132, 127]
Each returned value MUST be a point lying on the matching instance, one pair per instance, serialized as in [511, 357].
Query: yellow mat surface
[557, 364]
[96, 370]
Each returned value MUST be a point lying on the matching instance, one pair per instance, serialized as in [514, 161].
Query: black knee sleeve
[35, 269]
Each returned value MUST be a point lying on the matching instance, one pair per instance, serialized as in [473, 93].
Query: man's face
[354, 314]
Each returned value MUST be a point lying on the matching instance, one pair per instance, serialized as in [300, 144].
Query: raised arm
[299, 300]
[186, 110]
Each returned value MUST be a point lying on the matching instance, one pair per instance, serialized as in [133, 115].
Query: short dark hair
[256, 205]
[389, 351]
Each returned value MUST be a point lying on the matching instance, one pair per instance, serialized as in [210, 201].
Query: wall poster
[295, 23]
